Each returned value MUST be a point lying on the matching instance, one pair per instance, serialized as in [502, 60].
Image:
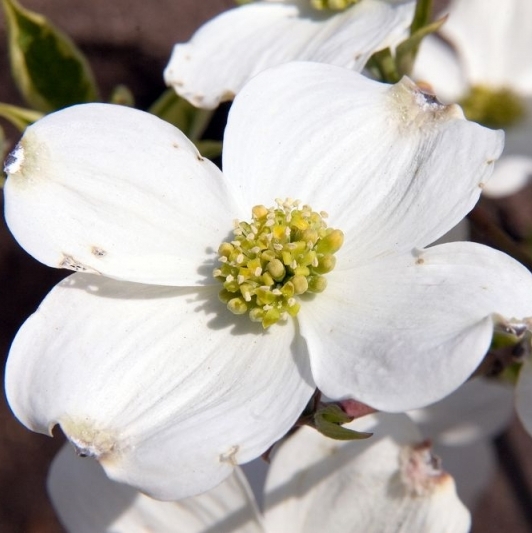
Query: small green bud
[326, 264]
[331, 243]
[267, 279]
[237, 306]
[270, 317]
[300, 284]
[288, 290]
[276, 269]
[259, 211]
[317, 283]
[265, 296]
[256, 314]
[226, 249]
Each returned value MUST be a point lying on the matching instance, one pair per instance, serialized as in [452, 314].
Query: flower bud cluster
[493, 108]
[283, 253]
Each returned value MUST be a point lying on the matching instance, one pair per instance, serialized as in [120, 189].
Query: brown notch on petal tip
[420, 470]
[68, 262]
[230, 455]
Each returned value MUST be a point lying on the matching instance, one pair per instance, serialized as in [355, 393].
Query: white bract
[390, 483]
[235, 46]
[489, 67]
[87, 501]
[462, 427]
[136, 357]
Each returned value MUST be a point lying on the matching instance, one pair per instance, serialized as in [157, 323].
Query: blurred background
[129, 42]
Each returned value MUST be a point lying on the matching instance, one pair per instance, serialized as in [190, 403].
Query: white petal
[523, 395]
[87, 501]
[404, 331]
[462, 427]
[317, 484]
[512, 173]
[238, 44]
[375, 157]
[112, 190]
[163, 385]
[479, 410]
[438, 65]
[494, 40]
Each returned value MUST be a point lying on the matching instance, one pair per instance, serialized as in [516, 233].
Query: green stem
[422, 15]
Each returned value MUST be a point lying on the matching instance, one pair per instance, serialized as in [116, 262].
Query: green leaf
[182, 114]
[20, 117]
[406, 52]
[49, 70]
[328, 420]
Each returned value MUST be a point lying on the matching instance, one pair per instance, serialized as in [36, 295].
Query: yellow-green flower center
[281, 254]
[494, 108]
[334, 5]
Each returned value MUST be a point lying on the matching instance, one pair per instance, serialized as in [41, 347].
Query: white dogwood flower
[233, 47]
[147, 357]
[388, 483]
[488, 68]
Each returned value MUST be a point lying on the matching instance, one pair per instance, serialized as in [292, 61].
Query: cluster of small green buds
[283, 253]
[334, 5]
[493, 108]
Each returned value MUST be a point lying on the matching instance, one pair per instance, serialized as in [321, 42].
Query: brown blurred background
[129, 42]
